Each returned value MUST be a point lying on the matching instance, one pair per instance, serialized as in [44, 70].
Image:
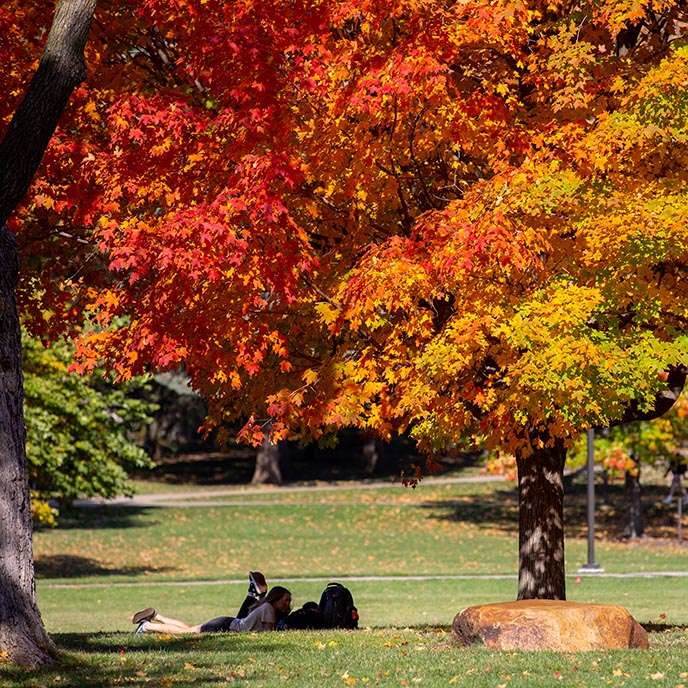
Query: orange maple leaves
[462, 218]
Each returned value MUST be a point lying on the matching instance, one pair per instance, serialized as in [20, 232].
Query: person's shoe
[147, 614]
[257, 585]
[667, 500]
[141, 628]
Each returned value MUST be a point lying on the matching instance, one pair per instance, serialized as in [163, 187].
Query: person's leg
[168, 621]
[168, 629]
[246, 607]
[674, 484]
[257, 589]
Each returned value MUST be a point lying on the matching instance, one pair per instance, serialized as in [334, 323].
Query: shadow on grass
[106, 518]
[498, 510]
[74, 566]
[106, 660]
[652, 627]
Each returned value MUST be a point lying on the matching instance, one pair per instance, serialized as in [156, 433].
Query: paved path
[180, 499]
[355, 579]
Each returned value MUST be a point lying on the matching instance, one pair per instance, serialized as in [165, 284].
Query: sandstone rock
[549, 625]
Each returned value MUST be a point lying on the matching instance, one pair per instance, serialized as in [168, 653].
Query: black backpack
[308, 617]
[337, 607]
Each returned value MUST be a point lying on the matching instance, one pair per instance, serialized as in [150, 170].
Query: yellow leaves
[349, 680]
[310, 376]
[91, 110]
[192, 160]
[327, 312]
[161, 148]
[43, 201]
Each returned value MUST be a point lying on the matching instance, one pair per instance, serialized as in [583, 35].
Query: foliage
[627, 448]
[460, 218]
[77, 427]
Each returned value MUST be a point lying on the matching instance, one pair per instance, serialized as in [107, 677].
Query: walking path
[190, 497]
[354, 579]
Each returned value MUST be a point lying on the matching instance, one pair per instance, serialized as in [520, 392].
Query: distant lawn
[435, 529]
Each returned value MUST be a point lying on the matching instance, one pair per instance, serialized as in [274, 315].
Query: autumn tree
[454, 219]
[61, 69]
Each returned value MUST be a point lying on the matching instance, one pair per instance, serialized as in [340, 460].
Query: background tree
[78, 430]
[624, 451]
[454, 218]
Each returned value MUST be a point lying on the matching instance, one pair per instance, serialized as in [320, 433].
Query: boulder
[549, 625]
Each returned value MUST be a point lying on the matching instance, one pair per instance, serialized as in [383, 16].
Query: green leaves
[79, 429]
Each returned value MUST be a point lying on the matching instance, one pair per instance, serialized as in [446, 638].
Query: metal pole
[592, 566]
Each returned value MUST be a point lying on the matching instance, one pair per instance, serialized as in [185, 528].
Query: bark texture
[371, 454]
[60, 70]
[22, 636]
[541, 524]
[268, 469]
[636, 522]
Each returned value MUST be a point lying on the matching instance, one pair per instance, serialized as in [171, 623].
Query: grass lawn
[392, 657]
[116, 560]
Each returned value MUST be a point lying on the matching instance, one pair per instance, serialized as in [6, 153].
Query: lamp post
[591, 566]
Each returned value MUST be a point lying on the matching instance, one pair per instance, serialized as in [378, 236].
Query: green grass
[382, 604]
[141, 557]
[436, 529]
[392, 657]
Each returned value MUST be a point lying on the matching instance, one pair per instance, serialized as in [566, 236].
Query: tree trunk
[371, 454]
[60, 70]
[636, 524]
[268, 468]
[541, 524]
[22, 635]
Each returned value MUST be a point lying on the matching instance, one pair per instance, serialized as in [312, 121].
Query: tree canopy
[464, 217]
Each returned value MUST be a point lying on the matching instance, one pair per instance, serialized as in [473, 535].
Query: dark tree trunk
[22, 636]
[636, 523]
[268, 469]
[61, 69]
[541, 524]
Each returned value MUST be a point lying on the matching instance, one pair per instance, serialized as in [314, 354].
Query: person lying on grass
[256, 615]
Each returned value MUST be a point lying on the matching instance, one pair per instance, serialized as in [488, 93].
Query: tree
[454, 218]
[22, 636]
[625, 450]
[78, 429]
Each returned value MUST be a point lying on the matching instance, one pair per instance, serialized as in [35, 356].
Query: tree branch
[61, 69]
[663, 402]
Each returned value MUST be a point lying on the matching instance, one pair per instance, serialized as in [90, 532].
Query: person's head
[279, 598]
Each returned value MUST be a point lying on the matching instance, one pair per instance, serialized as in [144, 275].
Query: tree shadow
[652, 627]
[105, 518]
[106, 660]
[75, 566]
[498, 511]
